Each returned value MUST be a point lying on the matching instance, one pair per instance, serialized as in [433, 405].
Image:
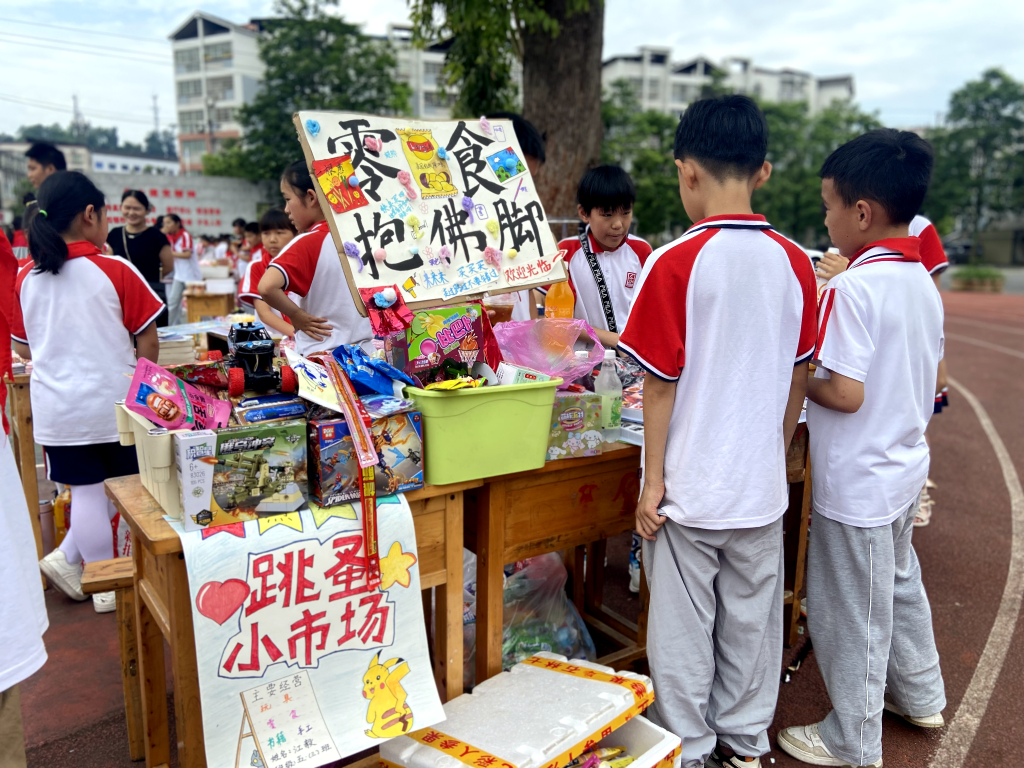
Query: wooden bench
[118, 576]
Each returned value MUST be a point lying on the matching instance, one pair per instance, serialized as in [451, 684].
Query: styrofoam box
[650, 744]
[214, 271]
[154, 447]
[527, 716]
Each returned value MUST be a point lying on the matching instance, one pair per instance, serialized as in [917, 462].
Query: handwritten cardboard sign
[297, 655]
[434, 207]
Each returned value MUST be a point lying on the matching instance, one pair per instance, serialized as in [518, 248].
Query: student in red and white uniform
[82, 317]
[186, 265]
[880, 339]
[276, 231]
[724, 322]
[605, 197]
[326, 316]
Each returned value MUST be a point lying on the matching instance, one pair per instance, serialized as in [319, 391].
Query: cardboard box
[517, 374]
[575, 426]
[334, 471]
[440, 333]
[253, 471]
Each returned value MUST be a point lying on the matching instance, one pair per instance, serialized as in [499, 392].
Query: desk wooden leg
[130, 672]
[154, 682]
[188, 713]
[490, 544]
[448, 615]
[801, 556]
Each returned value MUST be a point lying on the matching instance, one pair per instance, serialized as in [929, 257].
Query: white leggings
[90, 537]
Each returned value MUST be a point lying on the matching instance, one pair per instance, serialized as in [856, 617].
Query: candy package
[210, 373]
[378, 406]
[366, 374]
[169, 402]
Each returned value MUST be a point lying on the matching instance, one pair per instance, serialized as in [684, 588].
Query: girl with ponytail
[80, 316]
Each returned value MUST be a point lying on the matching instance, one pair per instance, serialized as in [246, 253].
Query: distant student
[276, 231]
[44, 160]
[250, 247]
[186, 265]
[724, 322]
[19, 242]
[82, 318]
[879, 343]
[326, 316]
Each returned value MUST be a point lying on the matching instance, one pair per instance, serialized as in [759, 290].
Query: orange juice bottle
[560, 300]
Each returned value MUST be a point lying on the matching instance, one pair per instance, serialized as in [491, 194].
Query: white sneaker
[927, 721]
[63, 575]
[104, 602]
[804, 743]
[634, 579]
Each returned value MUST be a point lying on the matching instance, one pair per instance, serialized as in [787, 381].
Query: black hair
[46, 154]
[888, 166]
[726, 135]
[531, 141]
[16, 222]
[298, 177]
[139, 196]
[253, 226]
[173, 217]
[607, 187]
[275, 218]
[28, 198]
[62, 196]
[239, 222]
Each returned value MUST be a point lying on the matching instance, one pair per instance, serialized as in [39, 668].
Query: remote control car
[251, 367]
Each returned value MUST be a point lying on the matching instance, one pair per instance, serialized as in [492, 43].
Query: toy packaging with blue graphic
[575, 426]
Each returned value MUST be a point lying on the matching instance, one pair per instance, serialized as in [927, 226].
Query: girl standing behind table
[144, 246]
[77, 314]
[326, 316]
[276, 231]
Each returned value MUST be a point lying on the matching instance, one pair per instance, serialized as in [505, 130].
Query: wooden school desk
[23, 443]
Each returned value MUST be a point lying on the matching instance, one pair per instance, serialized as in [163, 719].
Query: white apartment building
[669, 86]
[217, 69]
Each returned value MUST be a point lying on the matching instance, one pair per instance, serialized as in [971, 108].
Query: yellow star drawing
[394, 568]
[289, 519]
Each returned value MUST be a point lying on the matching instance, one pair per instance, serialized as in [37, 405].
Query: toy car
[251, 367]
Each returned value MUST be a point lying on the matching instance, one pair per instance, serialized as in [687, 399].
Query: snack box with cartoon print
[440, 333]
[241, 473]
[575, 426]
[334, 470]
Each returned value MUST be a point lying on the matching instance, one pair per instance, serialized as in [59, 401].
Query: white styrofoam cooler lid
[540, 714]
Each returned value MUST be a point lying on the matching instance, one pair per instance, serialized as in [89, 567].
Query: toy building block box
[440, 333]
[334, 470]
[575, 426]
[255, 471]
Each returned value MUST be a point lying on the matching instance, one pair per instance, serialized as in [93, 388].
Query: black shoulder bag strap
[602, 286]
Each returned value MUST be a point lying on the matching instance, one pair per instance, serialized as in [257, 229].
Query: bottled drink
[609, 388]
[559, 301]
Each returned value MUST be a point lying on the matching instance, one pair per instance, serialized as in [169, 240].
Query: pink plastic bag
[169, 402]
[546, 345]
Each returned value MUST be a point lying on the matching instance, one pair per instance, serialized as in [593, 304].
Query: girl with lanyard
[82, 317]
[144, 246]
[326, 316]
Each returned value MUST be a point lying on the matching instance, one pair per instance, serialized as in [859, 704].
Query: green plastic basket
[470, 434]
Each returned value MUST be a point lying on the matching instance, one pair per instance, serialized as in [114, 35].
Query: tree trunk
[562, 97]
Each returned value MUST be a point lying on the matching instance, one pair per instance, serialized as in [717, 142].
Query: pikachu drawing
[387, 713]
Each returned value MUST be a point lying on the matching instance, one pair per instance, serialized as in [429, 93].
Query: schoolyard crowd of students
[726, 321]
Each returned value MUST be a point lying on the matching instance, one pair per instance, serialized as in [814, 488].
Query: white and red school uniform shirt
[881, 324]
[621, 269]
[726, 310]
[249, 290]
[79, 324]
[312, 269]
[933, 255]
[186, 270]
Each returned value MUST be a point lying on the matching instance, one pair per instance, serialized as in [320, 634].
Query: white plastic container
[651, 745]
[214, 271]
[529, 716]
[154, 447]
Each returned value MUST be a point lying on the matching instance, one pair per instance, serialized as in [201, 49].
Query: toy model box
[334, 471]
[440, 333]
[241, 473]
[575, 426]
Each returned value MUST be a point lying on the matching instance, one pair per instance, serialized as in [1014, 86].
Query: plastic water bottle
[609, 388]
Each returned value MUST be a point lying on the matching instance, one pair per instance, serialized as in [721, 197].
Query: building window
[193, 150]
[221, 88]
[682, 93]
[637, 85]
[186, 61]
[432, 100]
[189, 91]
[431, 72]
[224, 115]
[653, 89]
[191, 121]
[219, 53]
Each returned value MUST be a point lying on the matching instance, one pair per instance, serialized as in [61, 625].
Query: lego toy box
[334, 471]
[241, 473]
[575, 426]
[440, 333]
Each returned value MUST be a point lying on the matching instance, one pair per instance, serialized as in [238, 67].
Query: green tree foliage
[99, 139]
[979, 155]
[163, 144]
[314, 60]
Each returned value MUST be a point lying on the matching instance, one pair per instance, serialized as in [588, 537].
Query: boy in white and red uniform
[880, 340]
[276, 231]
[186, 264]
[724, 322]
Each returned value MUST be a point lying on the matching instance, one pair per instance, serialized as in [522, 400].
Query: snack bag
[575, 426]
[443, 333]
[211, 373]
[339, 183]
[430, 171]
[169, 402]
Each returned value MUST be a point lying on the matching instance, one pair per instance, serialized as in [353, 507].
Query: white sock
[90, 537]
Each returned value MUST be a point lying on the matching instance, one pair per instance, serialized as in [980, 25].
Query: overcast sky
[906, 55]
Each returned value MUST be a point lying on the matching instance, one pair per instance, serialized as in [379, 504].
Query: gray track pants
[871, 624]
[714, 638]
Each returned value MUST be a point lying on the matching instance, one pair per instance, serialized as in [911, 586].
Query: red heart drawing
[219, 600]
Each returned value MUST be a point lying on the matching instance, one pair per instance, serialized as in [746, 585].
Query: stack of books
[176, 350]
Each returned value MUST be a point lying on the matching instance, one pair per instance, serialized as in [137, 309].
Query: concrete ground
[972, 557]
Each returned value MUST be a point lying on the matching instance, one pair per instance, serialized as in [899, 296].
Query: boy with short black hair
[879, 344]
[724, 322]
[44, 159]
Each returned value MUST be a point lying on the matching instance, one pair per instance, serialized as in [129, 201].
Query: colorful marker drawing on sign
[338, 180]
[506, 164]
[429, 171]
